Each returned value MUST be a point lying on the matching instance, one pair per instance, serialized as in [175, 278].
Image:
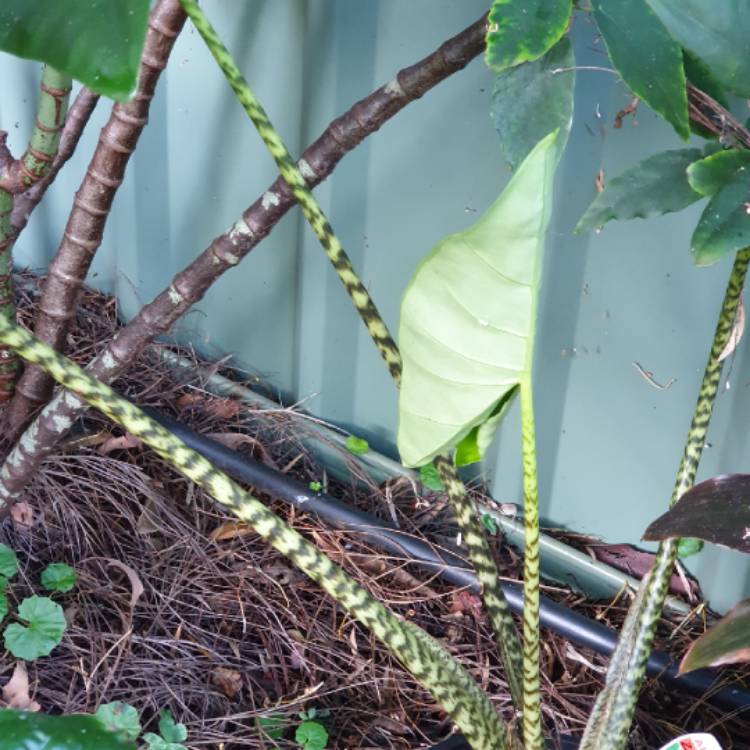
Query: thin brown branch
[75, 121]
[190, 284]
[91, 208]
[711, 115]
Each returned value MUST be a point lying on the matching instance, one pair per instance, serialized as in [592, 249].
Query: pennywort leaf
[646, 56]
[170, 730]
[311, 735]
[59, 577]
[8, 561]
[523, 30]
[44, 629]
[120, 718]
[98, 44]
[658, 185]
[468, 314]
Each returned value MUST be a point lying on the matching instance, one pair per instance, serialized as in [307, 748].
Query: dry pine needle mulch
[176, 607]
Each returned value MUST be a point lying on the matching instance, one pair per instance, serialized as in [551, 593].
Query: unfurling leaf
[658, 185]
[100, 45]
[523, 30]
[718, 33]
[646, 56]
[534, 99]
[46, 625]
[468, 316]
[727, 642]
[22, 729]
[717, 511]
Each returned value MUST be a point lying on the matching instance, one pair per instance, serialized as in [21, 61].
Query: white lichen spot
[269, 199]
[394, 87]
[28, 442]
[306, 170]
[14, 459]
[72, 400]
[174, 296]
[108, 361]
[62, 423]
[240, 229]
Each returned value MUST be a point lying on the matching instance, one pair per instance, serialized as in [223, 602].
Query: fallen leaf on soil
[463, 601]
[16, 690]
[227, 680]
[121, 443]
[236, 440]
[224, 408]
[189, 399]
[135, 582]
[230, 530]
[23, 515]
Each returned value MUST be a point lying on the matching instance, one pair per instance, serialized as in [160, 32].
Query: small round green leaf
[59, 577]
[430, 478]
[311, 735]
[8, 561]
[46, 625]
[171, 730]
[272, 727]
[35, 731]
[121, 718]
[688, 546]
[3, 606]
[357, 446]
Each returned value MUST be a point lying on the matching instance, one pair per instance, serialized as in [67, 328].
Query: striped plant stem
[611, 725]
[479, 551]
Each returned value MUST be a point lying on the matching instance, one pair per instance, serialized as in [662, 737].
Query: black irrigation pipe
[450, 567]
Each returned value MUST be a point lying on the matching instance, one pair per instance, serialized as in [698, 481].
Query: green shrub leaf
[272, 727]
[98, 44]
[8, 561]
[34, 731]
[523, 30]
[646, 56]
[707, 176]
[46, 625]
[658, 185]
[430, 478]
[468, 314]
[724, 225]
[357, 446]
[533, 99]
[120, 718]
[311, 735]
[717, 32]
[727, 642]
[170, 730]
[59, 577]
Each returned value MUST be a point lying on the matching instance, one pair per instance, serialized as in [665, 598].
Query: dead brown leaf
[599, 181]
[227, 680]
[136, 585]
[236, 440]
[16, 690]
[464, 601]
[224, 408]
[189, 399]
[121, 443]
[23, 515]
[230, 530]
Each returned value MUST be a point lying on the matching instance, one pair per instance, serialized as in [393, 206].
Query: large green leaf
[709, 175]
[716, 510]
[647, 58]
[99, 43]
[724, 225]
[658, 185]
[716, 31]
[468, 315]
[727, 642]
[21, 730]
[523, 30]
[533, 99]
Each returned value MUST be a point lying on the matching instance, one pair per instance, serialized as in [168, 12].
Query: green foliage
[656, 186]
[716, 32]
[59, 577]
[272, 727]
[357, 446]
[646, 56]
[699, 74]
[724, 226]
[490, 524]
[315, 486]
[533, 99]
[8, 561]
[707, 176]
[688, 546]
[120, 718]
[467, 316]
[3, 606]
[727, 642]
[311, 735]
[523, 30]
[44, 630]
[170, 730]
[21, 730]
[430, 478]
[98, 43]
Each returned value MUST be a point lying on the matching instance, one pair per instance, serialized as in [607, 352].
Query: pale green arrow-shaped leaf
[467, 317]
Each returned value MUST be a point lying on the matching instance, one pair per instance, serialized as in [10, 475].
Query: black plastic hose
[450, 567]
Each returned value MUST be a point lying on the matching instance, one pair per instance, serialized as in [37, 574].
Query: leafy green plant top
[357, 446]
[59, 577]
[171, 734]
[315, 486]
[43, 631]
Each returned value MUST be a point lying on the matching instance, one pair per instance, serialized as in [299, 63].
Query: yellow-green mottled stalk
[610, 725]
[302, 194]
[498, 609]
[532, 701]
[435, 668]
